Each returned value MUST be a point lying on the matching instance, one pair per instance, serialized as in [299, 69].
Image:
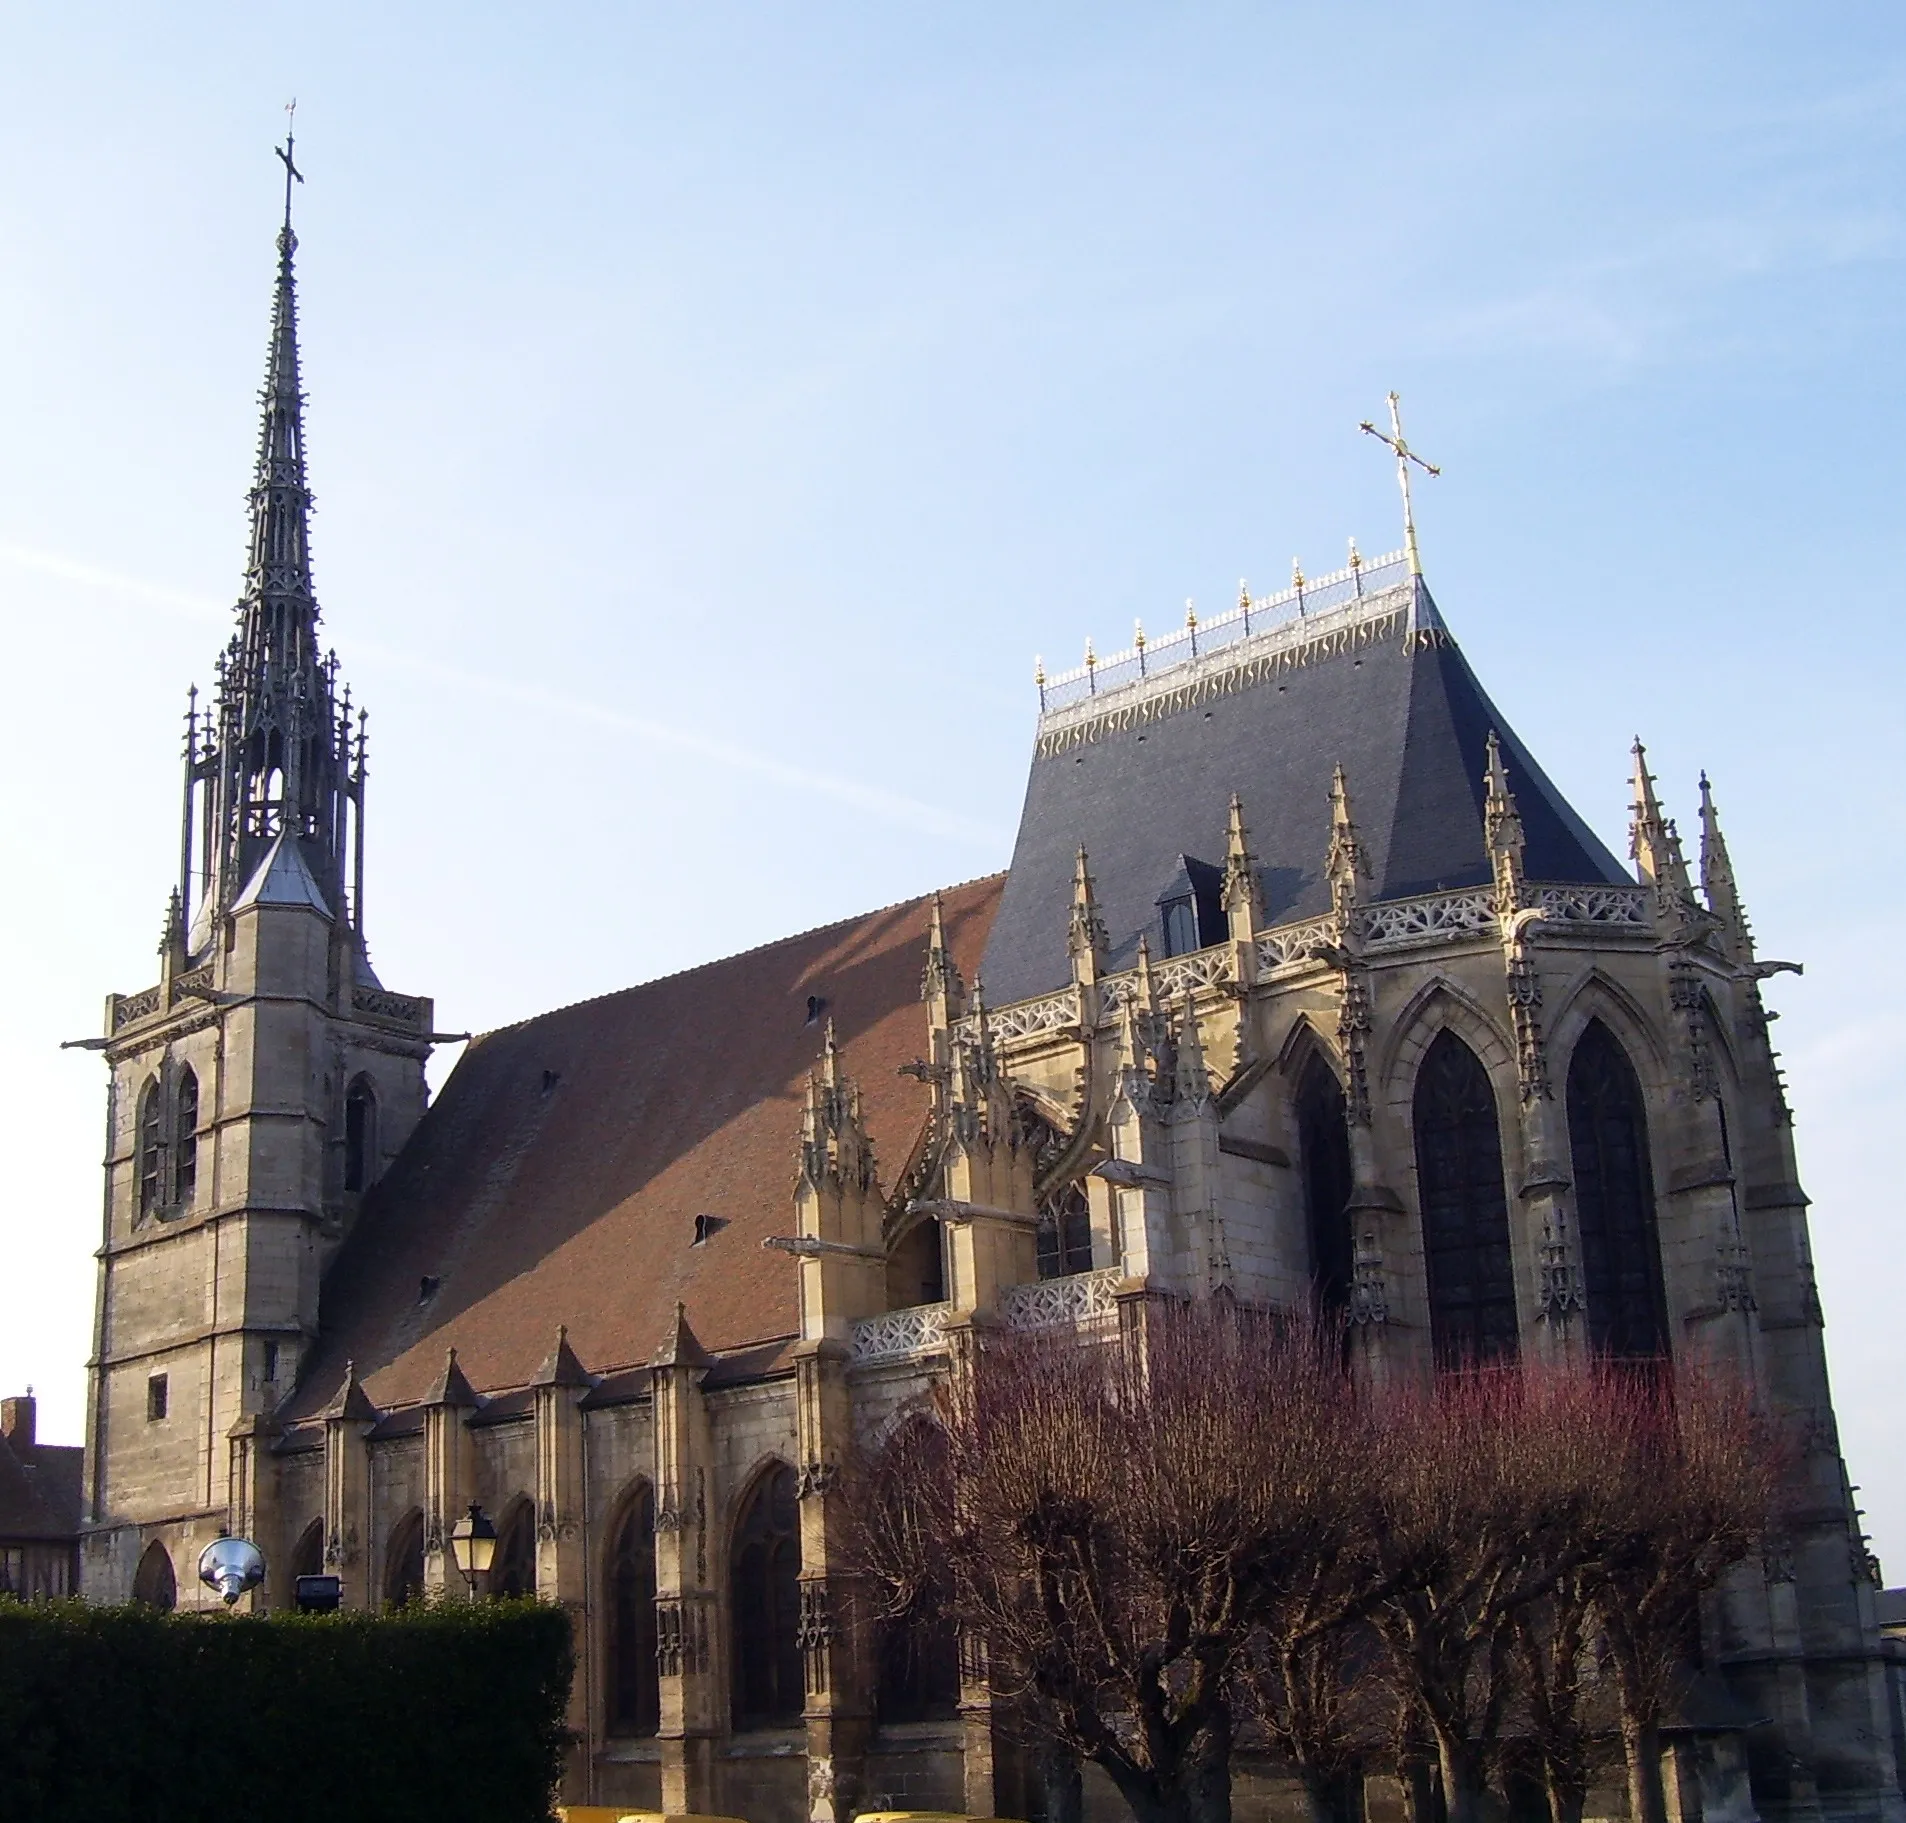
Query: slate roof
[39, 1491]
[557, 1177]
[1144, 779]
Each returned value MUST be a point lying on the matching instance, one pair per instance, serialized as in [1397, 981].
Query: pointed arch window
[360, 1135]
[404, 1563]
[150, 1148]
[635, 1691]
[307, 1555]
[513, 1573]
[1614, 1199]
[1065, 1233]
[1472, 1292]
[765, 1584]
[185, 1143]
[917, 1652]
[1323, 1147]
[153, 1584]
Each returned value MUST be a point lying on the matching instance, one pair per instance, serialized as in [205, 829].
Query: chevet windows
[1615, 1199]
[1472, 1293]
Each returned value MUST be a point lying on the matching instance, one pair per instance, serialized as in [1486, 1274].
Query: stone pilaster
[834, 1631]
[347, 1490]
[687, 1616]
[449, 1478]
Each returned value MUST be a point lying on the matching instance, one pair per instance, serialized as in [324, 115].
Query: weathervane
[1404, 457]
[284, 155]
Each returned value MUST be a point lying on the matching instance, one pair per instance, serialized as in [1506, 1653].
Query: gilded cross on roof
[1404, 457]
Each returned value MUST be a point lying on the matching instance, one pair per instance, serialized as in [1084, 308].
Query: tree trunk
[1207, 1772]
[1465, 1793]
[1641, 1747]
[1319, 1795]
[1065, 1790]
[1566, 1798]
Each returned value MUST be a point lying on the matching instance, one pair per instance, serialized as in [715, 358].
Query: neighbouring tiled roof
[557, 1177]
[1143, 776]
[39, 1490]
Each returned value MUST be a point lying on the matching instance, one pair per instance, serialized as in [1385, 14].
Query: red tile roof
[557, 1178]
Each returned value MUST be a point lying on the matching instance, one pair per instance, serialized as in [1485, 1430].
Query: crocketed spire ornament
[277, 756]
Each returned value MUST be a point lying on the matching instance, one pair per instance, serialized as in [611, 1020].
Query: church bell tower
[259, 1089]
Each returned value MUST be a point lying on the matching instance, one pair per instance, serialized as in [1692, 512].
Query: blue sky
[714, 410]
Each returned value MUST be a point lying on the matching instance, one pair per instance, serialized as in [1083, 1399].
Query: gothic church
[1303, 981]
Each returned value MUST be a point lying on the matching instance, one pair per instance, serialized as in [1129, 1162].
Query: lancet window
[151, 1148]
[513, 1573]
[307, 1555]
[1614, 1199]
[404, 1563]
[185, 1143]
[1465, 1207]
[765, 1606]
[1323, 1147]
[360, 1136]
[635, 1691]
[917, 1652]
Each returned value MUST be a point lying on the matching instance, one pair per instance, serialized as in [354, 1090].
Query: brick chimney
[17, 1420]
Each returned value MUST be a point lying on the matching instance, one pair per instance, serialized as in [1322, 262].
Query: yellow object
[619, 1813]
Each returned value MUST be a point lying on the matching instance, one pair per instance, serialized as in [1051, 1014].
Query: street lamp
[473, 1544]
[231, 1566]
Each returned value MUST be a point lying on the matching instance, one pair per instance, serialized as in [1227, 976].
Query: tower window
[185, 1147]
[271, 1366]
[151, 1147]
[156, 1391]
[360, 1136]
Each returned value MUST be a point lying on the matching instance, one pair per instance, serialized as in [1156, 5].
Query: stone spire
[1502, 830]
[1086, 939]
[1652, 838]
[278, 756]
[1345, 865]
[1718, 885]
[1243, 905]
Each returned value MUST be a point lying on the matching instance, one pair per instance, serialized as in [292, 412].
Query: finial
[1404, 457]
[1244, 595]
[1138, 644]
[1297, 582]
[287, 241]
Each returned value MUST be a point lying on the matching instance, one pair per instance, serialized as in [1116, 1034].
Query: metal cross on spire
[284, 153]
[1404, 457]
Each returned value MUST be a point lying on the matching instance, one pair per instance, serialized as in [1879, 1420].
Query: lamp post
[473, 1544]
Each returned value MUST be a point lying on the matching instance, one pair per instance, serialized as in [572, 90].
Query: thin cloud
[893, 806]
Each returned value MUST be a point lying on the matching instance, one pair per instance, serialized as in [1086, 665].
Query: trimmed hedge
[452, 1713]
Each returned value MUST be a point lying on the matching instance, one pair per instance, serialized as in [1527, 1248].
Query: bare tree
[1691, 1475]
[1113, 1518]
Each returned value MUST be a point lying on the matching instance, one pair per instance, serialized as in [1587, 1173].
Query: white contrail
[891, 805]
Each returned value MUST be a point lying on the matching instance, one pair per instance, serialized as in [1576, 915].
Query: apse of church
[1304, 982]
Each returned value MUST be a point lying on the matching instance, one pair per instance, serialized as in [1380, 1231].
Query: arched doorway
[765, 1604]
[154, 1585]
[1615, 1199]
[634, 1688]
[1472, 1293]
